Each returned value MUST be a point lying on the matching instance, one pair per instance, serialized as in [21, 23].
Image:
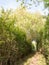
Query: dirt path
[37, 59]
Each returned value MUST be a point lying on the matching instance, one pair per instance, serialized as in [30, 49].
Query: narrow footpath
[37, 59]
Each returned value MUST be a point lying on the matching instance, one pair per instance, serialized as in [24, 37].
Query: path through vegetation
[37, 59]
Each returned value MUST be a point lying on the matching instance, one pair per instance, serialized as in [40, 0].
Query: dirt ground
[37, 59]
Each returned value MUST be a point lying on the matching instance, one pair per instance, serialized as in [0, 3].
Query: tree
[46, 2]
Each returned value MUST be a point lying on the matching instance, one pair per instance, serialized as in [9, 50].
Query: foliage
[43, 33]
[17, 30]
[13, 42]
[46, 41]
[46, 2]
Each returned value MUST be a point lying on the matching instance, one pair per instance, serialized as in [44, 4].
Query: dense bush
[17, 31]
[13, 42]
[46, 41]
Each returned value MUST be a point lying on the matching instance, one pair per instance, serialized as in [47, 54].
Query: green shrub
[46, 41]
[13, 43]
[17, 30]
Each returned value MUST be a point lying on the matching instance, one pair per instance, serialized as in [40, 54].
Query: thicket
[17, 31]
[46, 40]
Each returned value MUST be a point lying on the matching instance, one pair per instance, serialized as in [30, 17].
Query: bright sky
[7, 4]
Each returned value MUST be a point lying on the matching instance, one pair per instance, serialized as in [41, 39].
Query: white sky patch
[12, 4]
[9, 4]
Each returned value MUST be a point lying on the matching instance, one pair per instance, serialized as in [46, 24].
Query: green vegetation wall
[17, 30]
[46, 41]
